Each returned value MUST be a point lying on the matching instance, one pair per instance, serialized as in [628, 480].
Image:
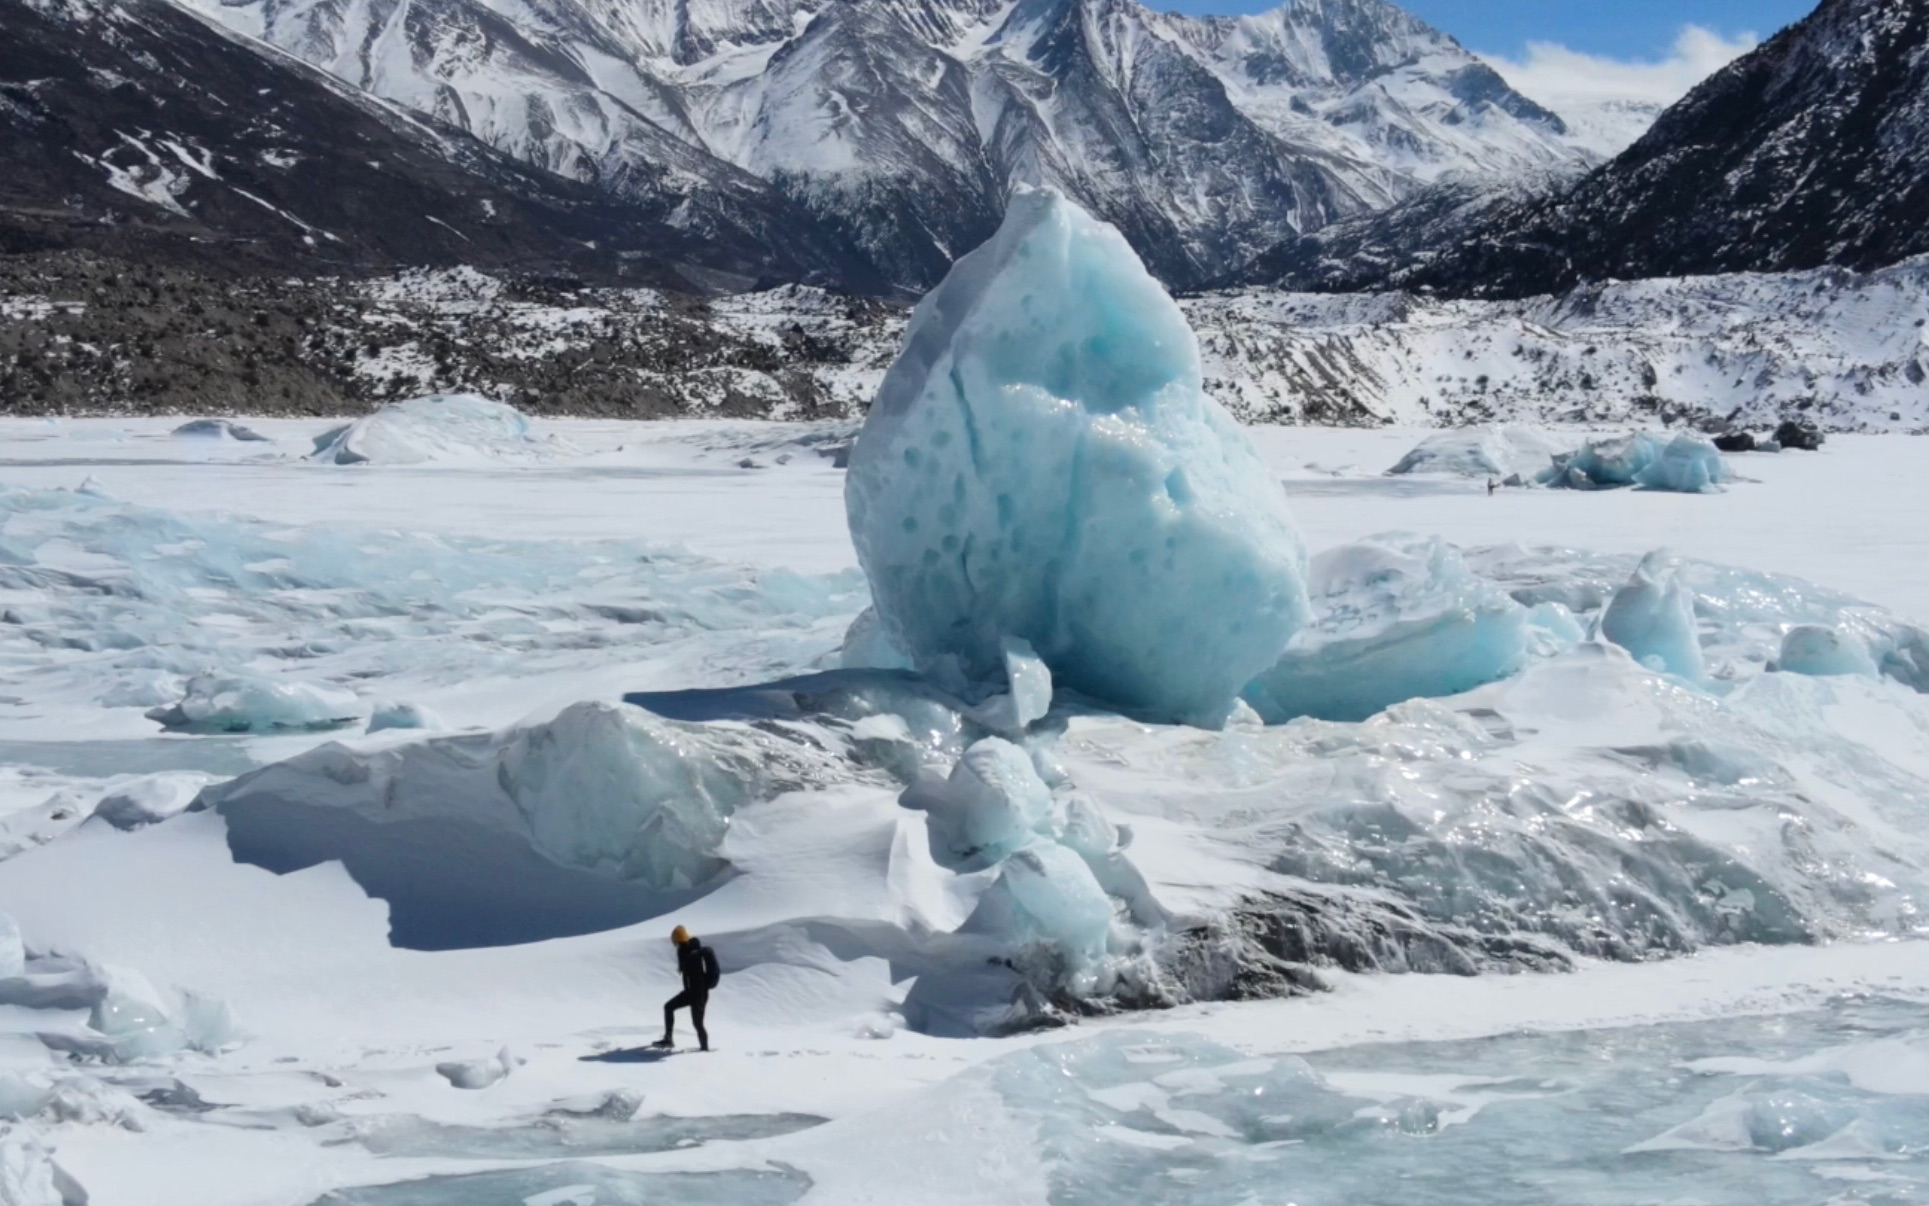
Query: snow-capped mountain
[138, 128]
[1809, 151]
[901, 125]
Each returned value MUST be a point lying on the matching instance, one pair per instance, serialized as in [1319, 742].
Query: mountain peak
[899, 126]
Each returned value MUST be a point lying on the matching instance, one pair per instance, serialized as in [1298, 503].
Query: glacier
[1041, 463]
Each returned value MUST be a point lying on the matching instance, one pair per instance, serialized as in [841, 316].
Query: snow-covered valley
[1633, 818]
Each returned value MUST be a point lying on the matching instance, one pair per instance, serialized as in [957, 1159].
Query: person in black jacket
[697, 964]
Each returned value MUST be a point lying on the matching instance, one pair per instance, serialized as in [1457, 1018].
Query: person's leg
[669, 1015]
[697, 1005]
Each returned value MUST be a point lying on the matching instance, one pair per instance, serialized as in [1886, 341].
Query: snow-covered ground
[291, 1042]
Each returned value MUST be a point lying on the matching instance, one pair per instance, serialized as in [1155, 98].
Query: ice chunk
[434, 428]
[1054, 899]
[1688, 464]
[1818, 650]
[151, 799]
[1493, 451]
[868, 647]
[1042, 463]
[13, 952]
[1396, 617]
[219, 429]
[1030, 681]
[479, 1073]
[1028, 690]
[1653, 618]
[20, 1098]
[396, 715]
[992, 804]
[243, 702]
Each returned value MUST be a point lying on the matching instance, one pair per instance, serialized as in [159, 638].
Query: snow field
[1668, 804]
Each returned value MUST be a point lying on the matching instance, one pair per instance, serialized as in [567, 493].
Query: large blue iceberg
[1041, 463]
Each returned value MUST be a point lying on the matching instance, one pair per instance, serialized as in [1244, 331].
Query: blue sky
[1644, 30]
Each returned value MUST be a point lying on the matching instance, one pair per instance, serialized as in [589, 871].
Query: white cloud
[1556, 76]
[1608, 103]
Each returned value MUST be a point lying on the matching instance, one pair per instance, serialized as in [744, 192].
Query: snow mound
[434, 428]
[1041, 463]
[242, 702]
[1396, 617]
[402, 715]
[599, 818]
[1687, 464]
[149, 800]
[1495, 451]
[219, 429]
[1824, 652]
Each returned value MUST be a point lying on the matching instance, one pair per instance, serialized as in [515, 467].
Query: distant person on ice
[697, 964]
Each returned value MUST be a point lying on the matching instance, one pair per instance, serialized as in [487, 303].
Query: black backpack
[712, 974]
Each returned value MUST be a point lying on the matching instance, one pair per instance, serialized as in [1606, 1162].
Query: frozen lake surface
[1743, 1016]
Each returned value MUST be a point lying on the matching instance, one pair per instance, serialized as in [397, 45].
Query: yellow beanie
[679, 935]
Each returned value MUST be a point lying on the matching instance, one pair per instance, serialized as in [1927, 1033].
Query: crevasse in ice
[1653, 618]
[1042, 463]
[1395, 618]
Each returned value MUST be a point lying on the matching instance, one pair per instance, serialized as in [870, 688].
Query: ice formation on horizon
[1496, 451]
[1685, 464]
[219, 429]
[1042, 463]
[432, 428]
[1396, 617]
[244, 702]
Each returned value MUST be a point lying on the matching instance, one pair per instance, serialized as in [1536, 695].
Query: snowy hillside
[1804, 152]
[1845, 351]
[144, 130]
[899, 125]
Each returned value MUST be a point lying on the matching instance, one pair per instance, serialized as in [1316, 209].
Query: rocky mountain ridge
[895, 128]
[1805, 153]
[141, 130]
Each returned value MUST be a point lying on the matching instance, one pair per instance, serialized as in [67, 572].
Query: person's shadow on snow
[627, 1055]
